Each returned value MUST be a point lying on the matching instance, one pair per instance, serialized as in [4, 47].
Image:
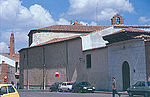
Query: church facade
[94, 54]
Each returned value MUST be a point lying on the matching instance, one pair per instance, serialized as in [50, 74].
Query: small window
[11, 89]
[3, 90]
[24, 56]
[16, 66]
[88, 60]
[69, 83]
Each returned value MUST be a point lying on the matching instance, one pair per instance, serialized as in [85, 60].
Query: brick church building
[86, 53]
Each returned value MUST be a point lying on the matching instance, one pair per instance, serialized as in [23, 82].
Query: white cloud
[62, 21]
[144, 19]
[93, 23]
[83, 23]
[106, 14]
[41, 16]
[98, 9]
[3, 47]
[19, 19]
[35, 16]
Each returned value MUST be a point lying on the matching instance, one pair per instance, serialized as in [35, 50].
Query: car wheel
[73, 91]
[56, 90]
[130, 94]
[50, 90]
[81, 91]
[68, 90]
[59, 90]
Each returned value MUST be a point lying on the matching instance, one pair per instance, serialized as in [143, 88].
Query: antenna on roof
[96, 17]
[117, 11]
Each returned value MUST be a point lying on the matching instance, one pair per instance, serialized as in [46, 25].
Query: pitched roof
[129, 30]
[69, 28]
[125, 34]
[13, 57]
[95, 48]
[55, 40]
[142, 36]
[132, 26]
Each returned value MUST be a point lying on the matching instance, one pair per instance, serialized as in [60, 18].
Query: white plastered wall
[132, 51]
[7, 60]
[46, 36]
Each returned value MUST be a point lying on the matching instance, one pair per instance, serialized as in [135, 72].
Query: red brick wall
[113, 20]
[3, 72]
[12, 49]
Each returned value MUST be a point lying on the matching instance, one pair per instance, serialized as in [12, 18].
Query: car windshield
[137, 84]
[64, 84]
[148, 83]
[140, 83]
[69, 83]
[85, 83]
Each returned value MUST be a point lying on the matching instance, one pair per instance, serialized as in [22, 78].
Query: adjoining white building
[11, 60]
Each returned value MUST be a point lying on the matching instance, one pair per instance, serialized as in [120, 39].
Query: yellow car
[8, 90]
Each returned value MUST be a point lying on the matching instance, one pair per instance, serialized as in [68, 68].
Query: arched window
[117, 20]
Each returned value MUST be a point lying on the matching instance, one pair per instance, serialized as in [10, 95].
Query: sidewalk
[109, 92]
[31, 90]
[104, 92]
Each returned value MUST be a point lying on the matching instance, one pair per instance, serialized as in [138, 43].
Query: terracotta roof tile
[130, 30]
[132, 26]
[71, 28]
[142, 36]
[55, 40]
[94, 48]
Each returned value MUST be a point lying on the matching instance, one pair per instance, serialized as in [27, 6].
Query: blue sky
[20, 16]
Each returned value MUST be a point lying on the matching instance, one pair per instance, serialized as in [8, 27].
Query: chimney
[12, 49]
[76, 21]
[71, 22]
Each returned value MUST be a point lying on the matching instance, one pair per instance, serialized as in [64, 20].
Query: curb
[108, 92]
[102, 92]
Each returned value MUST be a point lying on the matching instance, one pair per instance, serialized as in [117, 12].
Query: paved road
[58, 94]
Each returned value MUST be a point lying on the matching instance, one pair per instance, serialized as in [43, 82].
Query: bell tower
[12, 48]
[117, 20]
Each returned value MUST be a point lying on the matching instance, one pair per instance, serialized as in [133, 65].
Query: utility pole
[27, 72]
[66, 60]
[96, 17]
[43, 68]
